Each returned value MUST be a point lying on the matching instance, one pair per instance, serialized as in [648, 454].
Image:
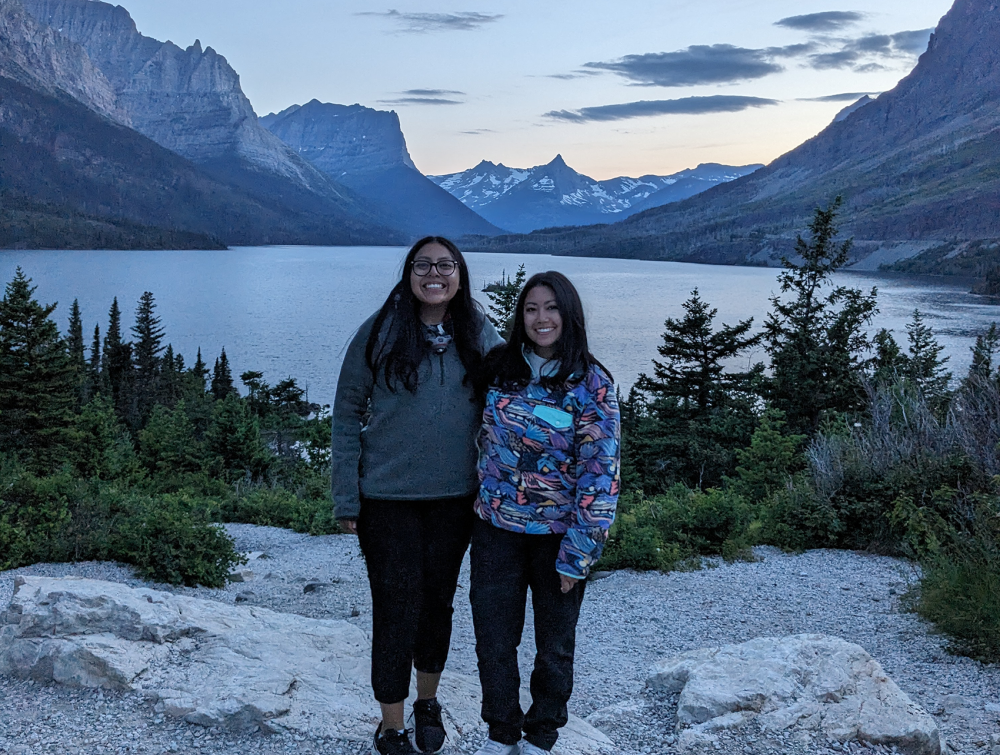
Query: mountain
[72, 178]
[524, 200]
[72, 174]
[73, 158]
[917, 167]
[364, 149]
[189, 101]
[39, 57]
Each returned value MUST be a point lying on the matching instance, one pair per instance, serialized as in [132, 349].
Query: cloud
[430, 92]
[727, 64]
[421, 101]
[683, 106]
[571, 76]
[843, 97]
[830, 20]
[866, 53]
[913, 42]
[420, 23]
[701, 64]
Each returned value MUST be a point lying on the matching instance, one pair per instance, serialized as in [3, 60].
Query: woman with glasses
[549, 455]
[405, 421]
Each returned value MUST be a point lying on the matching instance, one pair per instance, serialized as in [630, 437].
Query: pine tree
[116, 365]
[146, 355]
[693, 370]
[104, 450]
[258, 392]
[889, 362]
[696, 413]
[234, 437]
[767, 464]
[200, 371]
[171, 378]
[75, 348]
[816, 342]
[94, 368]
[168, 445]
[986, 346]
[503, 300]
[222, 378]
[37, 380]
[924, 364]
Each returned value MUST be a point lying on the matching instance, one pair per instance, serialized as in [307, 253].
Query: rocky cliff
[34, 54]
[73, 178]
[342, 139]
[189, 101]
[917, 166]
[364, 149]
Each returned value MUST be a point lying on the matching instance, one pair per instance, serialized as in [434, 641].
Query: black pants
[413, 551]
[504, 565]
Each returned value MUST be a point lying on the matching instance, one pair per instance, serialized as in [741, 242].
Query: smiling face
[434, 290]
[542, 320]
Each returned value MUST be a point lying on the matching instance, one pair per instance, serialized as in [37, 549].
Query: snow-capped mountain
[545, 196]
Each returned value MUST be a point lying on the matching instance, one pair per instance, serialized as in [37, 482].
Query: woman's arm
[598, 443]
[354, 389]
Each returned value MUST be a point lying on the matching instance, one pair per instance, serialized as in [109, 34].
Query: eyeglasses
[444, 267]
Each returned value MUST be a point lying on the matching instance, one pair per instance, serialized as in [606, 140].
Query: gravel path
[629, 620]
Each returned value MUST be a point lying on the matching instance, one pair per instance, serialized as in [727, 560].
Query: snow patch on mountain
[525, 199]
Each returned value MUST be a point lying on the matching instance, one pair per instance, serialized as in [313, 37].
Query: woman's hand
[350, 526]
[567, 583]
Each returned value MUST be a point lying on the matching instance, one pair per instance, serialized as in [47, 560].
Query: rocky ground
[629, 621]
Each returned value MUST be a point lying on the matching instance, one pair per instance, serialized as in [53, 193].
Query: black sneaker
[429, 734]
[392, 742]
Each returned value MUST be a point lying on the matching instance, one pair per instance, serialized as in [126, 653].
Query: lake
[290, 311]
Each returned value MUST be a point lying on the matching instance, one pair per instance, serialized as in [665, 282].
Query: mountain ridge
[365, 150]
[554, 194]
[918, 165]
[90, 166]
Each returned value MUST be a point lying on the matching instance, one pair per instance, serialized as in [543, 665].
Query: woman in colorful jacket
[405, 421]
[548, 470]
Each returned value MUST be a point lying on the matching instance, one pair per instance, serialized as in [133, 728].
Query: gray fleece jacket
[400, 445]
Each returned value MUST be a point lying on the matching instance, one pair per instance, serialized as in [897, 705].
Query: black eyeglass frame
[413, 266]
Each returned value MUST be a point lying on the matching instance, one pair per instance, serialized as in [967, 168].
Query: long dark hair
[396, 345]
[506, 364]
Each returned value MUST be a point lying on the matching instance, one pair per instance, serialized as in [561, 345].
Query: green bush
[796, 518]
[58, 518]
[104, 449]
[36, 522]
[960, 589]
[172, 539]
[277, 507]
[673, 530]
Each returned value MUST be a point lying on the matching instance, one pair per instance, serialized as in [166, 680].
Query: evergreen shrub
[60, 517]
[960, 591]
[674, 529]
[172, 538]
[278, 507]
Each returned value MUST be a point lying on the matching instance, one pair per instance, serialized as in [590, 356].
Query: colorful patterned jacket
[549, 463]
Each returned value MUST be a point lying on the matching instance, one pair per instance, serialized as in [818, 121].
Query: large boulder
[805, 683]
[214, 664]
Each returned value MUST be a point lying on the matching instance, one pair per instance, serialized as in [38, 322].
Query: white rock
[217, 665]
[800, 683]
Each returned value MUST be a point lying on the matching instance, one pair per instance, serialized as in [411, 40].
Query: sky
[631, 88]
